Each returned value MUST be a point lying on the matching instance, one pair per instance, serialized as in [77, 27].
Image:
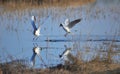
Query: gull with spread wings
[68, 25]
[65, 53]
[36, 31]
[36, 51]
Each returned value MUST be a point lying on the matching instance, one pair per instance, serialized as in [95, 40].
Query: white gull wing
[38, 54]
[66, 52]
[33, 19]
[41, 59]
[71, 24]
[32, 60]
[66, 22]
[36, 51]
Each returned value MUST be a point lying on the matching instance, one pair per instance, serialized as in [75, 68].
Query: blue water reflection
[99, 27]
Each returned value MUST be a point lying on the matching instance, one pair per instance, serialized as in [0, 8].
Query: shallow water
[100, 26]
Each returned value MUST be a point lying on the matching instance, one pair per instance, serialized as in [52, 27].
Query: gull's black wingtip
[79, 19]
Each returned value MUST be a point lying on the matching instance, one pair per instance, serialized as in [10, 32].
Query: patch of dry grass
[16, 4]
[92, 67]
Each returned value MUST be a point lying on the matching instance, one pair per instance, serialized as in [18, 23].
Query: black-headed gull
[68, 25]
[36, 31]
[36, 51]
[65, 55]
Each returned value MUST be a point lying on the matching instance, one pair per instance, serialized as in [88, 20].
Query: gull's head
[33, 18]
[60, 25]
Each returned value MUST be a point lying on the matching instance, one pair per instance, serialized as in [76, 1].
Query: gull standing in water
[36, 31]
[68, 25]
[36, 51]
